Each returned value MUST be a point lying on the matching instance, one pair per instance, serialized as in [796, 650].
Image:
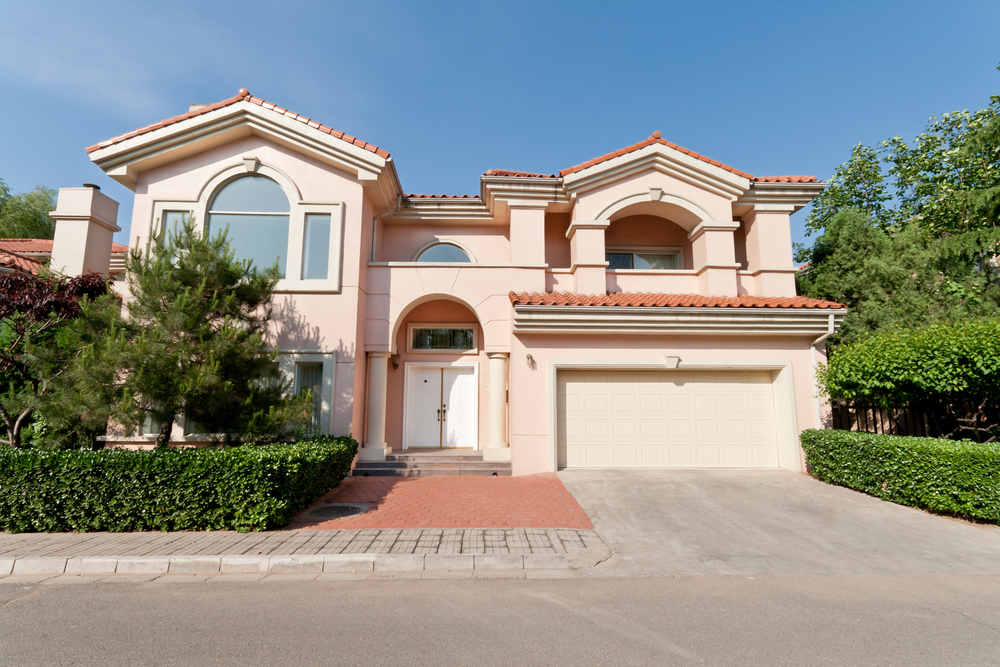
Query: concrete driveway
[701, 522]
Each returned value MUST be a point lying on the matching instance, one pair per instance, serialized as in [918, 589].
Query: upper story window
[619, 259]
[444, 252]
[256, 211]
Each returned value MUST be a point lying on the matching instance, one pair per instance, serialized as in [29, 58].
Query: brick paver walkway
[531, 501]
[300, 543]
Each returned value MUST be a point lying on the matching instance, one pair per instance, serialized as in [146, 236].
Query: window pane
[173, 221]
[309, 376]
[261, 238]
[442, 339]
[316, 248]
[253, 194]
[659, 261]
[618, 260]
[444, 252]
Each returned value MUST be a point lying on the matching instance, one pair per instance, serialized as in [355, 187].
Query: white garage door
[666, 419]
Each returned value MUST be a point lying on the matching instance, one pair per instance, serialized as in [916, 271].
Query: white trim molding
[678, 320]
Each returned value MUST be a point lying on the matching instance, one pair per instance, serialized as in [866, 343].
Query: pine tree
[191, 341]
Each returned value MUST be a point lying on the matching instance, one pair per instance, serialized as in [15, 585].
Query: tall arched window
[444, 252]
[256, 210]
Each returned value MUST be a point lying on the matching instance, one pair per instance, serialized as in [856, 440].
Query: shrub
[240, 488]
[954, 477]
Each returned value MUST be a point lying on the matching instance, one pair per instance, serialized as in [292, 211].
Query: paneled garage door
[666, 419]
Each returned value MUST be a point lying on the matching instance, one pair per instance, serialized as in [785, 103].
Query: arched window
[256, 210]
[444, 252]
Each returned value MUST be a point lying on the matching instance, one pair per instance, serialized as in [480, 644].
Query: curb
[311, 564]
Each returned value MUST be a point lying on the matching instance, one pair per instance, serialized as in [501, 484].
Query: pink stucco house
[636, 310]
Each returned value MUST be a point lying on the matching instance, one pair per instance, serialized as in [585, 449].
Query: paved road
[723, 620]
[704, 522]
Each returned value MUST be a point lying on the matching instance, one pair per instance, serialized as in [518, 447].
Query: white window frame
[427, 246]
[423, 325]
[287, 359]
[292, 282]
[648, 250]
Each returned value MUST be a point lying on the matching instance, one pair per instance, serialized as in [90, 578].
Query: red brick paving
[531, 501]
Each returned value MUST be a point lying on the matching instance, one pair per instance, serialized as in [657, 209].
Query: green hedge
[955, 477]
[240, 488]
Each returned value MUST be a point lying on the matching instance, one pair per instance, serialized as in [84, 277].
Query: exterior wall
[434, 312]
[650, 231]
[488, 245]
[557, 253]
[324, 321]
[531, 394]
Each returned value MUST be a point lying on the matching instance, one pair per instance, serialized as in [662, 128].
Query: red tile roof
[657, 139]
[416, 196]
[666, 300]
[242, 95]
[11, 260]
[517, 174]
[45, 245]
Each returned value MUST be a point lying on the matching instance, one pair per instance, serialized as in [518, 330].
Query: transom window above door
[441, 338]
[644, 260]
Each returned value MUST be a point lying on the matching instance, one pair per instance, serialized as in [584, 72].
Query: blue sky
[452, 89]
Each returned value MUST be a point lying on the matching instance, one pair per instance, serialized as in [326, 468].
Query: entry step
[437, 463]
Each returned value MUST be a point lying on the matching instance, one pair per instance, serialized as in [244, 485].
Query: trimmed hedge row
[956, 477]
[240, 488]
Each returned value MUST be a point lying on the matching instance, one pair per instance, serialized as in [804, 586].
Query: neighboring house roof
[13, 262]
[517, 174]
[242, 95]
[655, 300]
[44, 246]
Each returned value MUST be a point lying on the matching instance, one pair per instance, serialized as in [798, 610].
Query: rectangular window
[174, 221]
[647, 261]
[309, 376]
[316, 247]
[443, 339]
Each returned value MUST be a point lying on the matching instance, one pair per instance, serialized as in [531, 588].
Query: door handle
[439, 414]
[444, 413]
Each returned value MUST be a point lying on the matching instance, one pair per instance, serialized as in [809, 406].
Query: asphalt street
[910, 620]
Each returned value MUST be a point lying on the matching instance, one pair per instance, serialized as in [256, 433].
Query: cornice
[780, 197]
[657, 321]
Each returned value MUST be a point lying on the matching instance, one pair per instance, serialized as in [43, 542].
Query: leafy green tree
[903, 277]
[26, 215]
[34, 312]
[192, 343]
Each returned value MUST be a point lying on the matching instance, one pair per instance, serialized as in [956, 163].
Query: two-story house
[636, 310]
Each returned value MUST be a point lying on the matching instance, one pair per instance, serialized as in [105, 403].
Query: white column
[375, 447]
[497, 448]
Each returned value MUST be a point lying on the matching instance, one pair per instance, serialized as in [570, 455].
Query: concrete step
[442, 465]
[427, 472]
[477, 456]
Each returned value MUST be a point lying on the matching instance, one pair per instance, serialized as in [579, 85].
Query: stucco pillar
[497, 448]
[714, 249]
[375, 447]
[86, 222]
[769, 252]
[527, 246]
[586, 250]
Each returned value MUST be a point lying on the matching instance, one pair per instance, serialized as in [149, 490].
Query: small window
[316, 247]
[309, 376]
[173, 222]
[444, 252]
[648, 261]
[442, 338]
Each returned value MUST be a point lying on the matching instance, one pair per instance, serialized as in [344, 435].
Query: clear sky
[452, 89]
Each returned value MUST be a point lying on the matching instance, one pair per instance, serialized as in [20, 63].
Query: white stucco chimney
[85, 225]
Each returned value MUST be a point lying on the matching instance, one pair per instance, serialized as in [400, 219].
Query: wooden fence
[938, 418]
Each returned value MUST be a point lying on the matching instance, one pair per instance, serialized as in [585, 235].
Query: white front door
[441, 407]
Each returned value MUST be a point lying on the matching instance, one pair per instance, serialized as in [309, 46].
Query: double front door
[441, 407]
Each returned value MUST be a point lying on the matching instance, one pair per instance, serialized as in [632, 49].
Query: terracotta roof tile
[517, 174]
[44, 245]
[416, 196]
[666, 300]
[786, 179]
[241, 96]
[19, 263]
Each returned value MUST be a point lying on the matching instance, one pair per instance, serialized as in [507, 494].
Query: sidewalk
[414, 526]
